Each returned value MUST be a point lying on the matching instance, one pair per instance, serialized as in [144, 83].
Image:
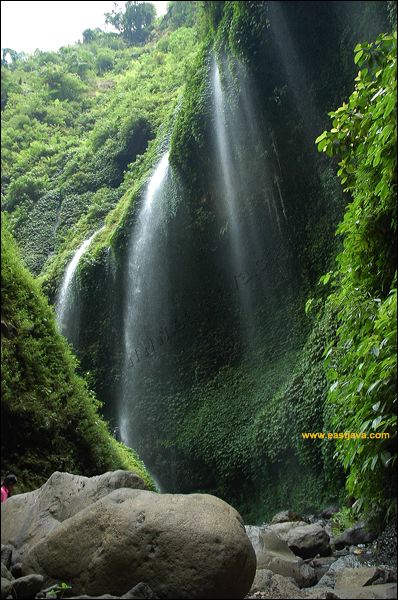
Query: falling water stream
[65, 305]
[239, 127]
[144, 302]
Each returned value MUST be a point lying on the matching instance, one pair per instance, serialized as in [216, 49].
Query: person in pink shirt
[7, 486]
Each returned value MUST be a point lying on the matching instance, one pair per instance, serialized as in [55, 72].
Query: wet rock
[286, 516]
[358, 534]
[16, 570]
[6, 555]
[6, 587]
[26, 588]
[321, 565]
[5, 573]
[309, 540]
[254, 533]
[328, 512]
[386, 546]
[182, 546]
[139, 592]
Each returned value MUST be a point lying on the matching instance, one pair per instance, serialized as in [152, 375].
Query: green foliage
[361, 364]
[180, 13]
[134, 22]
[342, 520]
[50, 419]
[58, 590]
[62, 145]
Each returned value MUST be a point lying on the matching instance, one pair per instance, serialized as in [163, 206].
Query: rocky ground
[107, 534]
[300, 558]
[79, 537]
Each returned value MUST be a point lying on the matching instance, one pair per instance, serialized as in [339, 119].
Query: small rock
[103, 597]
[16, 570]
[358, 534]
[6, 555]
[262, 581]
[328, 512]
[283, 530]
[141, 591]
[26, 588]
[5, 573]
[328, 580]
[322, 565]
[356, 577]
[282, 587]
[285, 516]
[6, 587]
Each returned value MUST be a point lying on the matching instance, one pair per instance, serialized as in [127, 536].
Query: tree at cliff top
[134, 23]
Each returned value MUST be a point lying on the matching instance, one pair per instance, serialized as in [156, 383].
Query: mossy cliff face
[230, 368]
[50, 419]
[217, 412]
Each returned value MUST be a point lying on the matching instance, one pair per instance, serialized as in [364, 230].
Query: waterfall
[145, 309]
[65, 300]
[249, 191]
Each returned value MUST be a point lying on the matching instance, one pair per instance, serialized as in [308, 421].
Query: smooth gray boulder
[27, 518]
[182, 546]
[309, 540]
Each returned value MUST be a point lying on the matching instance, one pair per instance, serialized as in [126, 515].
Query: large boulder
[27, 518]
[309, 540]
[182, 546]
[274, 554]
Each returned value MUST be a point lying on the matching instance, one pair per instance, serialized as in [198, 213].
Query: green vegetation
[82, 130]
[50, 419]
[134, 22]
[342, 520]
[361, 360]
[74, 124]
